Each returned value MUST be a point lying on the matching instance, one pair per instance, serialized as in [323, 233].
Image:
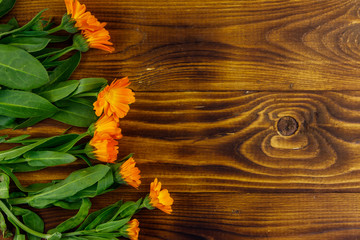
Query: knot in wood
[287, 126]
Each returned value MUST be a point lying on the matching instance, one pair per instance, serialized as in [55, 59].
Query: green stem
[66, 147]
[85, 159]
[14, 178]
[59, 54]
[21, 200]
[48, 54]
[75, 233]
[74, 152]
[14, 219]
[55, 29]
[89, 94]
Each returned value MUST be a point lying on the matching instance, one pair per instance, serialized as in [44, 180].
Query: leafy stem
[55, 29]
[17, 201]
[66, 147]
[75, 233]
[59, 54]
[14, 219]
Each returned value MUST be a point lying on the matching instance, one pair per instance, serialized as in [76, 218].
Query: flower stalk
[15, 220]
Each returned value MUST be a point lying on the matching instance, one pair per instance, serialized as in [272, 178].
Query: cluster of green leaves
[39, 153]
[34, 79]
[71, 193]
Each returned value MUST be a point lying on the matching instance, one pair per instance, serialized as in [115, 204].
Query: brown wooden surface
[212, 80]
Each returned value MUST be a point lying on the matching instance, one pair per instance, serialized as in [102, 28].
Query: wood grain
[214, 81]
[229, 141]
[220, 215]
[224, 45]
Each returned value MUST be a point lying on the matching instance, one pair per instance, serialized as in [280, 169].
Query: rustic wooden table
[247, 111]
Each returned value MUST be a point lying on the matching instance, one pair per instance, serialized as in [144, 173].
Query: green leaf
[16, 152]
[70, 144]
[112, 225]
[31, 33]
[20, 70]
[23, 167]
[31, 220]
[29, 44]
[26, 26]
[75, 220]
[101, 187]
[36, 187]
[3, 226]
[6, 6]
[46, 51]
[43, 142]
[89, 84]
[7, 122]
[14, 160]
[13, 22]
[57, 39]
[21, 104]
[17, 139]
[4, 185]
[6, 27]
[76, 114]
[60, 90]
[88, 101]
[57, 140]
[76, 238]
[8, 172]
[48, 158]
[55, 236]
[68, 205]
[102, 236]
[103, 217]
[74, 183]
[64, 71]
[98, 215]
[128, 209]
[31, 121]
[105, 183]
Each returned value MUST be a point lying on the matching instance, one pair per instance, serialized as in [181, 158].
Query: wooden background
[212, 81]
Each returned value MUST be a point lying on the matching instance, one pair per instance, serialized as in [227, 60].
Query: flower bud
[127, 173]
[80, 43]
[91, 129]
[68, 24]
[89, 151]
[131, 230]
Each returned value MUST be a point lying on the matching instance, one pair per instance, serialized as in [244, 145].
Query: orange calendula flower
[93, 31]
[83, 20]
[108, 125]
[98, 39]
[104, 147]
[160, 198]
[133, 229]
[114, 99]
[129, 173]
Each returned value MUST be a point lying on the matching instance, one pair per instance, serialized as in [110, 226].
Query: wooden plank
[223, 45]
[229, 141]
[243, 216]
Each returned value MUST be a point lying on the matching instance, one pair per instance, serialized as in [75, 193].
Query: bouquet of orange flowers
[35, 86]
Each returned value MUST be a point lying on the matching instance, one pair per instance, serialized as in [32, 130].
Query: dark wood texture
[212, 81]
